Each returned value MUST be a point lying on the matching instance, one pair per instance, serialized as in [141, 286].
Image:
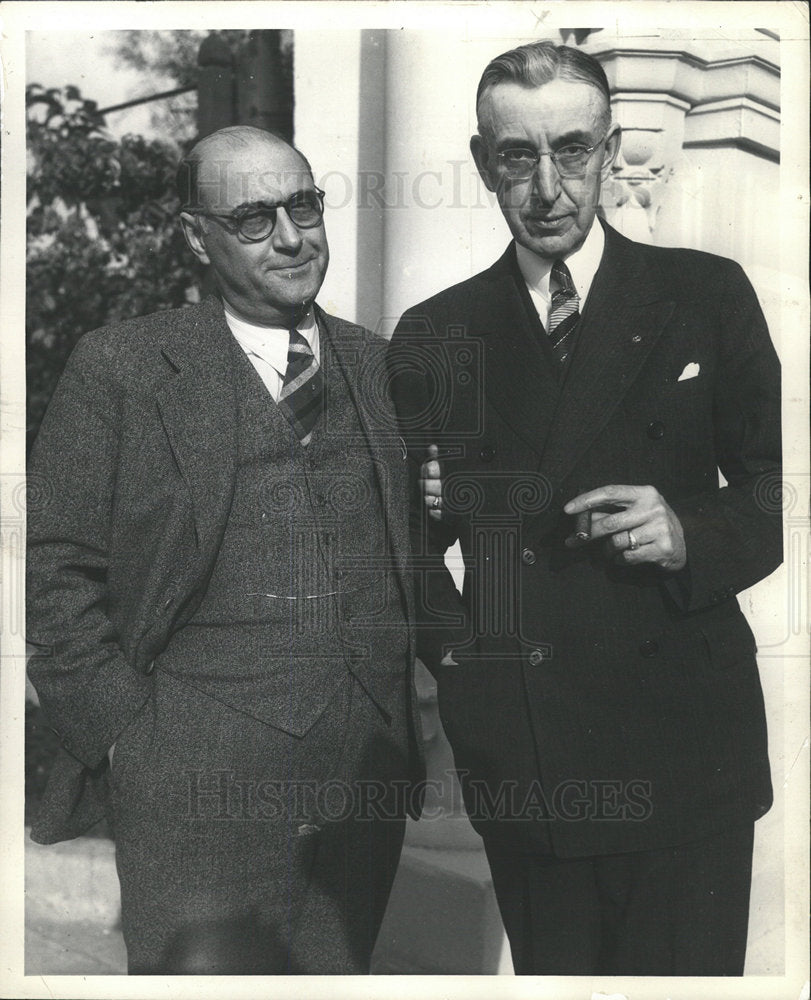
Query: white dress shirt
[582, 264]
[266, 346]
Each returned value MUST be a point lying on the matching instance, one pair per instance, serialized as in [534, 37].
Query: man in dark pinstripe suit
[597, 680]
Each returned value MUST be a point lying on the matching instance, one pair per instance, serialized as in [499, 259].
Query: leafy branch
[102, 241]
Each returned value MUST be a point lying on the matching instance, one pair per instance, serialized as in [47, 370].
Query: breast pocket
[685, 411]
[687, 389]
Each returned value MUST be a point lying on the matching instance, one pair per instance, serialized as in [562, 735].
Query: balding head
[242, 173]
[209, 172]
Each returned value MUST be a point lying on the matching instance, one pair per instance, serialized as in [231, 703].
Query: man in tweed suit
[218, 599]
[597, 682]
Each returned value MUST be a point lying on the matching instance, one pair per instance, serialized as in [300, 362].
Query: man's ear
[612, 148]
[191, 230]
[481, 155]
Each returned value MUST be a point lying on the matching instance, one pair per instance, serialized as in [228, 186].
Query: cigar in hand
[582, 526]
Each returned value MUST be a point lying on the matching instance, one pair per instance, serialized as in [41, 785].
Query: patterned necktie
[564, 312]
[301, 398]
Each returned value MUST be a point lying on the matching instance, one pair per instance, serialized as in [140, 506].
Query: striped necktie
[564, 312]
[301, 398]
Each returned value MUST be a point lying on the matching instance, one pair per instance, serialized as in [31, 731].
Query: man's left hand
[431, 483]
[638, 527]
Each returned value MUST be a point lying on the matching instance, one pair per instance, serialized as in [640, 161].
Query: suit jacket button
[656, 430]
[487, 454]
[649, 648]
[536, 658]
[528, 556]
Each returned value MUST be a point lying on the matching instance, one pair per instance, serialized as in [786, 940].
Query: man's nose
[546, 180]
[286, 234]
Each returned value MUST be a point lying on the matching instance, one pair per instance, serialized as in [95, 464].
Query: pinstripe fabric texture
[564, 313]
[646, 672]
[301, 398]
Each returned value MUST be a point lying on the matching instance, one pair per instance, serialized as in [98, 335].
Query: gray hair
[538, 63]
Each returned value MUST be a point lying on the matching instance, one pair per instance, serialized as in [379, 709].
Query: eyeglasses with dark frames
[305, 209]
[571, 160]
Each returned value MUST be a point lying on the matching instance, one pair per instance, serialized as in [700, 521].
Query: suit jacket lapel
[517, 378]
[624, 315]
[343, 347]
[198, 407]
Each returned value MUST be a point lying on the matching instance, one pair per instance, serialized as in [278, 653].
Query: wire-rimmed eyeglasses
[255, 223]
[571, 160]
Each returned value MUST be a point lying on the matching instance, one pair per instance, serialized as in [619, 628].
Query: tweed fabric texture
[303, 588]
[128, 518]
[244, 850]
[271, 642]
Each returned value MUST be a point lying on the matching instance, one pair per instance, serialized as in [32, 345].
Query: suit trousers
[244, 850]
[677, 911]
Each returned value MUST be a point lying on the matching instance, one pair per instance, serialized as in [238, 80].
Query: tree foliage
[102, 240]
[170, 54]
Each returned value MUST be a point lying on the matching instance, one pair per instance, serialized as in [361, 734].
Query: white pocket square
[690, 371]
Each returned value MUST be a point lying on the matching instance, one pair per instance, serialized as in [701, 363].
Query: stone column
[338, 124]
[441, 224]
[700, 138]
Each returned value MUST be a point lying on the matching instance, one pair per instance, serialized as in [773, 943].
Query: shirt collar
[271, 343]
[582, 264]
